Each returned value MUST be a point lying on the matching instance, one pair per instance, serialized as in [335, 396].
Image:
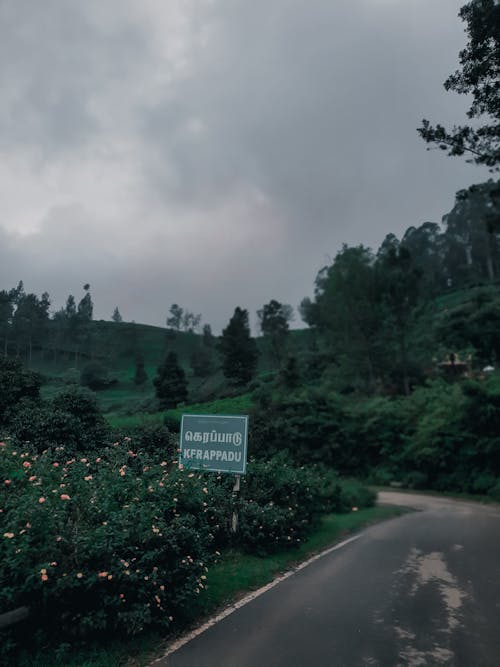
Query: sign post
[215, 443]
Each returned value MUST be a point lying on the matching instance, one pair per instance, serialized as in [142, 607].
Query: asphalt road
[422, 589]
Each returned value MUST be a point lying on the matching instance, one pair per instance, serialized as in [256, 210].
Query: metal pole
[234, 517]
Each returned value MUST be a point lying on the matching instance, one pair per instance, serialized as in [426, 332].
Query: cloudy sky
[215, 153]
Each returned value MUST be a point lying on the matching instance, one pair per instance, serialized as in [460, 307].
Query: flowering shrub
[113, 542]
[120, 539]
[281, 503]
[72, 419]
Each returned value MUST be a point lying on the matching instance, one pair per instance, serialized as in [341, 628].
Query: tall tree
[116, 316]
[398, 285]
[140, 376]
[478, 77]
[207, 335]
[70, 309]
[238, 349]
[6, 312]
[190, 321]
[347, 312]
[175, 319]
[274, 318]
[170, 382]
[86, 307]
[30, 319]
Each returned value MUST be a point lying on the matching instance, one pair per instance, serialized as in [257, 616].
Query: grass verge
[236, 574]
[229, 579]
[454, 495]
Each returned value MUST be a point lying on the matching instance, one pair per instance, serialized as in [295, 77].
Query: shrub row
[444, 436]
[120, 540]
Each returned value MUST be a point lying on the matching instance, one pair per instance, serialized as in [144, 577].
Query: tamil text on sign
[214, 442]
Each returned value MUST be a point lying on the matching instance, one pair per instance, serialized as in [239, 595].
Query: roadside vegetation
[395, 381]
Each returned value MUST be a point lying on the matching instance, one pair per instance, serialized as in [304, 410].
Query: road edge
[185, 639]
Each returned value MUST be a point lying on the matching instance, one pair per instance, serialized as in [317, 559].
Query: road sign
[216, 443]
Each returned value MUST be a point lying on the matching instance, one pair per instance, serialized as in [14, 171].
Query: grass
[224, 406]
[237, 573]
[234, 575]
[458, 495]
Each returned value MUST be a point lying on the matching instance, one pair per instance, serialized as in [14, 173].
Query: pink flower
[98, 459]
[32, 478]
[56, 464]
[7, 482]
[102, 575]
[64, 496]
[88, 478]
[9, 536]
[41, 500]
[26, 464]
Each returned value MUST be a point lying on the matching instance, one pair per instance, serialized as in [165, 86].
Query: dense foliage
[170, 382]
[238, 349]
[121, 539]
[479, 77]
[445, 436]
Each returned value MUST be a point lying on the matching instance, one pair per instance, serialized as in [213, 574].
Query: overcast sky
[216, 153]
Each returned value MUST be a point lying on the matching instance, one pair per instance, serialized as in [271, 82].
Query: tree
[274, 320]
[116, 317]
[398, 285]
[175, 319]
[238, 349]
[140, 376]
[478, 77]
[6, 312]
[170, 383]
[472, 240]
[201, 361]
[347, 312]
[86, 307]
[95, 376]
[290, 374]
[207, 335]
[70, 310]
[16, 383]
[30, 319]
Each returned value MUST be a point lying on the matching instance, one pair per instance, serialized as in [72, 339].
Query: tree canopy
[238, 349]
[478, 77]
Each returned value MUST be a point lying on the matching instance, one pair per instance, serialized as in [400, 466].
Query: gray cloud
[215, 153]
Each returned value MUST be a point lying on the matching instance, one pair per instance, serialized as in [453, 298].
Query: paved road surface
[422, 589]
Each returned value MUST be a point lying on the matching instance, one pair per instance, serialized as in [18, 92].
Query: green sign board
[214, 442]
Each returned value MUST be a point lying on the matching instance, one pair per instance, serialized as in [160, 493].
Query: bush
[281, 503]
[154, 439]
[71, 421]
[95, 376]
[16, 383]
[494, 492]
[115, 543]
[118, 541]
